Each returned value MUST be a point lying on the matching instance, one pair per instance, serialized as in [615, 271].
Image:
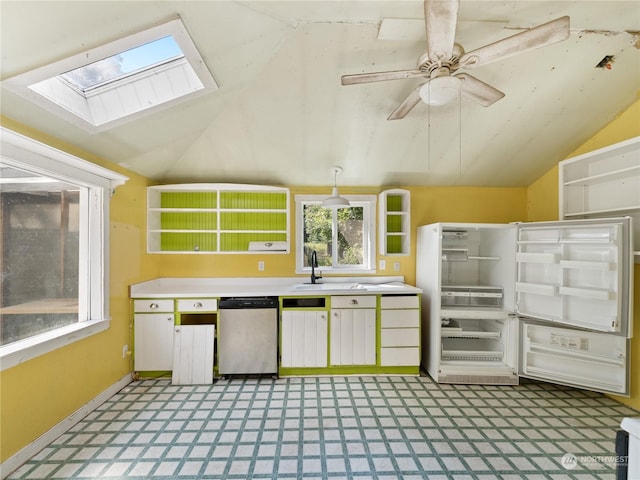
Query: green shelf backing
[188, 242]
[394, 203]
[253, 221]
[239, 242]
[188, 221]
[394, 224]
[394, 245]
[188, 199]
[253, 200]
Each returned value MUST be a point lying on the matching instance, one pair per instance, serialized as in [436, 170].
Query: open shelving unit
[217, 218]
[603, 183]
[395, 222]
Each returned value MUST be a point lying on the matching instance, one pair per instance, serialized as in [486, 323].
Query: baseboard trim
[14, 462]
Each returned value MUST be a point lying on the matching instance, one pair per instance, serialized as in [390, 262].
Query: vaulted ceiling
[282, 117]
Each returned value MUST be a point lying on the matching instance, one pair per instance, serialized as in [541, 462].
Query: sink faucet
[314, 265]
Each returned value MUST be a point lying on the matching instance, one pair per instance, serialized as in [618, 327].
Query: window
[343, 238]
[54, 246]
[122, 80]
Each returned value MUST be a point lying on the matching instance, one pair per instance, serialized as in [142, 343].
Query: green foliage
[318, 234]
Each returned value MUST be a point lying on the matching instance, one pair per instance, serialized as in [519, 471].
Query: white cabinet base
[193, 352]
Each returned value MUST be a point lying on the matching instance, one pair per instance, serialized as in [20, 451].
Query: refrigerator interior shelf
[586, 293]
[579, 264]
[471, 356]
[522, 257]
[578, 354]
[586, 241]
[537, 288]
[476, 313]
[455, 333]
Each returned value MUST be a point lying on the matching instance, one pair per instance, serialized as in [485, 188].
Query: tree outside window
[341, 237]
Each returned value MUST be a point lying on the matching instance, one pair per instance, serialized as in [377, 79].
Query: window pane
[325, 226]
[40, 240]
[318, 234]
[111, 68]
[350, 236]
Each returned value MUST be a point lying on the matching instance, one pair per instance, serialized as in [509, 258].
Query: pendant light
[335, 200]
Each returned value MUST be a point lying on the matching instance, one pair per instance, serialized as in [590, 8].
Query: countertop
[268, 286]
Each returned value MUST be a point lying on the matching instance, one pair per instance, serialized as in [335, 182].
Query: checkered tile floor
[330, 428]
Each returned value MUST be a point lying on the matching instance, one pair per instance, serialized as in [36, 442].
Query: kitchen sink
[330, 286]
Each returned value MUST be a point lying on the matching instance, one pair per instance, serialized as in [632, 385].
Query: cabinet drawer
[153, 305]
[353, 301]
[400, 337]
[400, 318]
[400, 356]
[197, 305]
[399, 301]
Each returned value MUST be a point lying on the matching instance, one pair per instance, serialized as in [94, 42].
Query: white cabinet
[353, 330]
[193, 353]
[153, 335]
[217, 218]
[304, 338]
[399, 330]
[603, 183]
[394, 222]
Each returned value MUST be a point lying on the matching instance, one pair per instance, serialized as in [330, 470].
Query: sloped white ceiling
[282, 117]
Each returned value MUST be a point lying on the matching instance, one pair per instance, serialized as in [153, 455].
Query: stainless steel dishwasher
[248, 336]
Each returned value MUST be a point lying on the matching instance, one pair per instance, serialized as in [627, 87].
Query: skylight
[117, 82]
[129, 62]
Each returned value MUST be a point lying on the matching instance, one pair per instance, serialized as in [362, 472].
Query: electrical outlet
[261, 266]
[383, 265]
[125, 350]
[396, 266]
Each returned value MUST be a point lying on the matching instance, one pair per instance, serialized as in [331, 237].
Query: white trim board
[14, 462]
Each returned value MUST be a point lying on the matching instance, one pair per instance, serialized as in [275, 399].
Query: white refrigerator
[549, 301]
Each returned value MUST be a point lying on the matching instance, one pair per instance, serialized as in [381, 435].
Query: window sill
[22, 351]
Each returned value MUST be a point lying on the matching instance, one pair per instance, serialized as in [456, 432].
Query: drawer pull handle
[154, 306]
[169, 319]
[354, 301]
[197, 305]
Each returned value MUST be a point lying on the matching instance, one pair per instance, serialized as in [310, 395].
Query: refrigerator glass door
[576, 273]
[595, 361]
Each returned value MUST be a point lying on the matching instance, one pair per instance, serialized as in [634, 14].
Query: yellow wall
[542, 204]
[428, 205]
[39, 393]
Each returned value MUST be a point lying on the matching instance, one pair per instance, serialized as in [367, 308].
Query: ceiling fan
[443, 58]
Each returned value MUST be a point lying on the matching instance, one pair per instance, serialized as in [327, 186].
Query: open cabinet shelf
[394, 222]
[603, 183]
[217, 218]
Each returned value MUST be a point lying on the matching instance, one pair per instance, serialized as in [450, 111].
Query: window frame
[22, 152]
[38, 85]
[369, 204]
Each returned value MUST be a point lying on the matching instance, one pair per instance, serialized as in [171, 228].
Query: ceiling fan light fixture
[335, 200]
[441, 90]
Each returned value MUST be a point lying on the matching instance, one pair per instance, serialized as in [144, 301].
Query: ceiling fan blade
[440, 17]
[380, 76]
[478, 91]
[545, 34]
[407, 105]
